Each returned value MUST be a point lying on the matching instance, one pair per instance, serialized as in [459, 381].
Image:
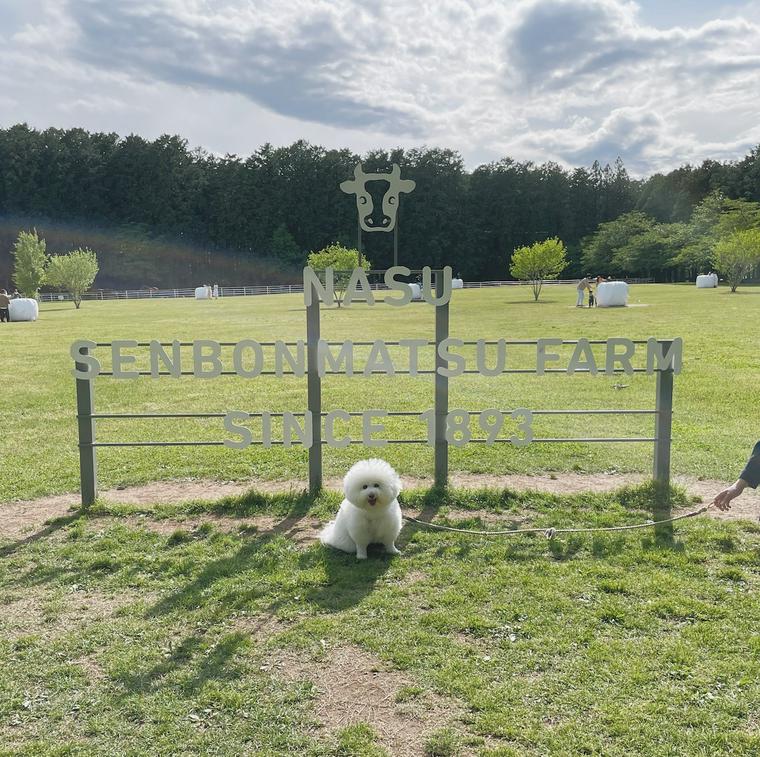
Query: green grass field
[225, 628]
[122, 638]
[715, 397]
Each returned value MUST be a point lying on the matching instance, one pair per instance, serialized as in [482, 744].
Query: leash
[550, 533]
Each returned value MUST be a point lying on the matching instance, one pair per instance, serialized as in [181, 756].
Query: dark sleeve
[751, 472]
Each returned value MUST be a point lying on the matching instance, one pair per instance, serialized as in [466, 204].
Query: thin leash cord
[550, 533]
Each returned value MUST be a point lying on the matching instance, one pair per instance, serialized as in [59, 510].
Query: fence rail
[262, 289]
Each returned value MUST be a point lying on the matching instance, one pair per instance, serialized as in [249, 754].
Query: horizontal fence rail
[263, 289]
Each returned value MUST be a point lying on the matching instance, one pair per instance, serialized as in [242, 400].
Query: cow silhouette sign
[364, 202]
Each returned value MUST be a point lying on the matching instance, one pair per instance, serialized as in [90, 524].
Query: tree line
[270, 209]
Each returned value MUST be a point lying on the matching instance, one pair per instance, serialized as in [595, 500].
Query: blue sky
[657, 83]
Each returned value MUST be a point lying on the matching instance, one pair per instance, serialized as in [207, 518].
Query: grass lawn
[227, 629]
[716, 396]
[122, 635]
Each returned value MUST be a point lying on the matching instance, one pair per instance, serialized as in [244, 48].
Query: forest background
[162, 214]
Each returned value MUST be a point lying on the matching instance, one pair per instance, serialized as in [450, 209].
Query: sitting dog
[370, 512]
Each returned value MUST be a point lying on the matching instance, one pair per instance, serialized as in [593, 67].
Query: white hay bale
[24, 309]
[201, 293]
[216, 291]
[611, 294]
[715, 279]
[706, 281]
[457, 284]
[416, 291]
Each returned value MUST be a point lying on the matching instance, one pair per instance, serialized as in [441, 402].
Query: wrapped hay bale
[706, 281]
[612, 294]
[201, 293]
[416, 291]
[715, 279]
[457, 283]
[24, 309]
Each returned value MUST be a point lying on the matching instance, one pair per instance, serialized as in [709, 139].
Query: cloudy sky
[658, 82]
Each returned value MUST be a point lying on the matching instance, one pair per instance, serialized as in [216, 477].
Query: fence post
[88, 464]
[663, 422]
[441, 478]
[314, 390]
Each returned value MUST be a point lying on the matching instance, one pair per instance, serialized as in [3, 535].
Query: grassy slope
[609, 645]
[716, 396]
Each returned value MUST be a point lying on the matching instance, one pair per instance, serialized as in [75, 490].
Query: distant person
[5, 301]
[600, 280]
[16, 295]
[583, 285]
[750, 476]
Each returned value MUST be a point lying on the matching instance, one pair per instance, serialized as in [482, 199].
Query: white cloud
[566, 80]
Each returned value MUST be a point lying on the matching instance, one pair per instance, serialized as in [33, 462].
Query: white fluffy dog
[370, 512]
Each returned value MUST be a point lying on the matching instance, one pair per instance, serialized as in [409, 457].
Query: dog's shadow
[347, 580]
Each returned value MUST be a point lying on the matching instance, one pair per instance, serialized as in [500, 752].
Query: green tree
[30, 259]
[737, 254]
[342, 260]
[651, 250]
[74, 272]
[284, 247]
[716, 217]
[539, 262]
[633, 243]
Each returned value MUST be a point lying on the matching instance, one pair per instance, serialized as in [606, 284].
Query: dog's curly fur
[370, 512]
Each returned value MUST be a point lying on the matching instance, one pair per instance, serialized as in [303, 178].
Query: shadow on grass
[659, 499]
[193, 594]
[344, 583]
[53, 526]
[348, 581]
[212, 660]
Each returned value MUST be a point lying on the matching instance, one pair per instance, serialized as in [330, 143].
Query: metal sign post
[88, 464]
[441, 477]
[314, 392]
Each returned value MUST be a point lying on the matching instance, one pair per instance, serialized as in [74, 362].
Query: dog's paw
[361, 557]
[391, 550]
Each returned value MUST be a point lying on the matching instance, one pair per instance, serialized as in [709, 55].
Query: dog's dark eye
[365, 486]
[377, 486]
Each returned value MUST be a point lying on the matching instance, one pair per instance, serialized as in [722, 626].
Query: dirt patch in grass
[353, 686]
[25, 519]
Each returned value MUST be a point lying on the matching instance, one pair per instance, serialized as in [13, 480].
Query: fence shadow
[50, 528]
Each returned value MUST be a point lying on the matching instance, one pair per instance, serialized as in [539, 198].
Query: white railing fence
[246, 291]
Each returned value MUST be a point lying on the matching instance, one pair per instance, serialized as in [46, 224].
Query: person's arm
[750, 476]
[723, 499]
